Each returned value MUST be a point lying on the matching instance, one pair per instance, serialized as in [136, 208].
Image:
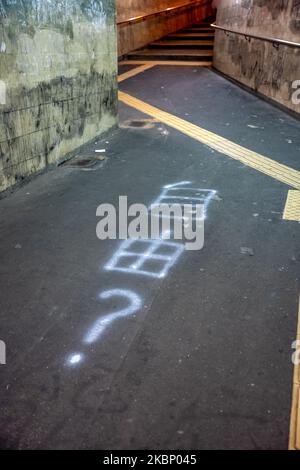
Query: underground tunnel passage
[150, 209]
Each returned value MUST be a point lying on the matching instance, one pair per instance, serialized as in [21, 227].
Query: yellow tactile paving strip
[252, 159]
[133, 72]
[292, 206]
[294, 443]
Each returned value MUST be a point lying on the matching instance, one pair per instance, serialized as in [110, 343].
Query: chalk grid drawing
[158, 256]
[152, 258]
[181, 193]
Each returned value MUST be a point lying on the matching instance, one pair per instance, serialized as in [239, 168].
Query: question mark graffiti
[99, 327]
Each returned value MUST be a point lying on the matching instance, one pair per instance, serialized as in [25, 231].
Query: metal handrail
[255, 36]
[138, 19]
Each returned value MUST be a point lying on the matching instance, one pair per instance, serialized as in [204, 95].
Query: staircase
[194, 43]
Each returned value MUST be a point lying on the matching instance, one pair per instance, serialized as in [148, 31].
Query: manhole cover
[139, 123]
[84, 163]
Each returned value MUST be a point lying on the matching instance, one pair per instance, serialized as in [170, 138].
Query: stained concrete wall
[137, 35]
[57, 80]
[131, 8]
[258, 64]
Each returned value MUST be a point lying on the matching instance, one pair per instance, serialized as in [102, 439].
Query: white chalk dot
[75, 359]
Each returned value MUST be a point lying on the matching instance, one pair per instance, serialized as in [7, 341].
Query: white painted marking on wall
[103, 323]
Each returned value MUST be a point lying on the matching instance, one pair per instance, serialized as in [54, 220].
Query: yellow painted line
[292, 206]
[168, 62]
[294, 443]
[134, 72]
[252, 159]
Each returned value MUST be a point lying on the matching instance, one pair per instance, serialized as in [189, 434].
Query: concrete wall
[258, 64]
[57, 80]
[130, 8]
[132, 37]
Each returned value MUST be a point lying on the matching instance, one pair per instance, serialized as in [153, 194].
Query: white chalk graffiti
[181, 193]
[103, 323]
[75, 359]
[193, 202]
[145, 257]
[152, 258]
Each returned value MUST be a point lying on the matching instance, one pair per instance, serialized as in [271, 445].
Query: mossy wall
[262, 66]
[58, 88]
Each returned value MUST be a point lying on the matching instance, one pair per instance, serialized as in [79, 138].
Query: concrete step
[169, 44]
[171, 54]
[201, 25]
[197, 30]
[191, 37]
